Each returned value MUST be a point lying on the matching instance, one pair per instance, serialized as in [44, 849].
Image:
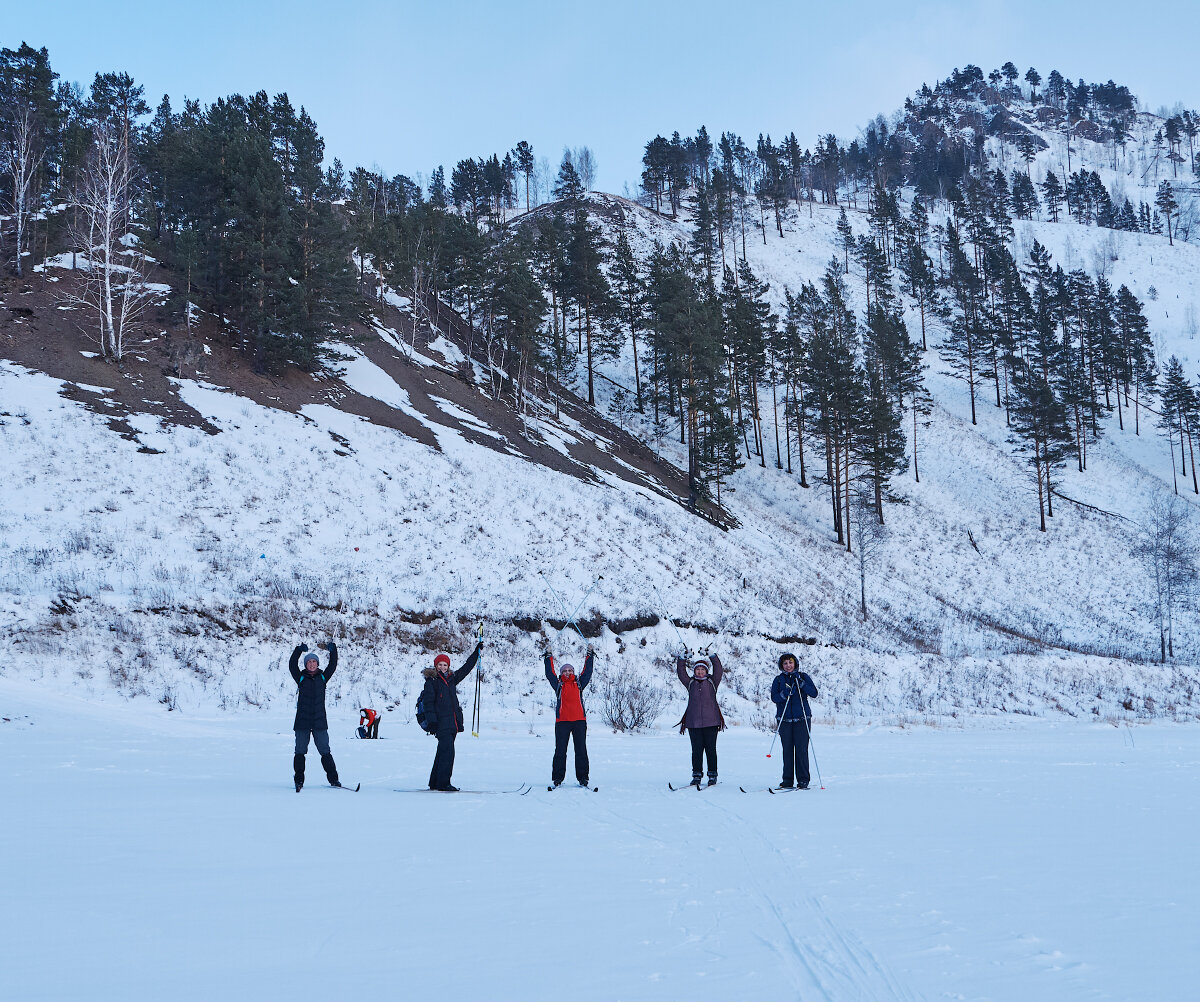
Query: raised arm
[586, 677]
[294, 662]
[331, 647]
[551, 674]
[718, 671]
[470, 663]
[681, 671]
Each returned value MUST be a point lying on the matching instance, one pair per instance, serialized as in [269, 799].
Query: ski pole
[562, 605]
[475, 703]
[778, 723]
[595, 581]
[808, 726]
[669, 619]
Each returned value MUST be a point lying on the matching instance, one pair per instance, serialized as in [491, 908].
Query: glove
[687, 653]
[590, 650]
[303, 648]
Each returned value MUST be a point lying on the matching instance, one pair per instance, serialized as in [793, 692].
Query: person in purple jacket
[702, 719]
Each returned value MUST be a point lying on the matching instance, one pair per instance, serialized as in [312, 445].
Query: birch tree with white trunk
[114, 290]
[21, 159]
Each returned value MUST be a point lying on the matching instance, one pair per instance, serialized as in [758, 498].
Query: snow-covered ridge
[180, 565]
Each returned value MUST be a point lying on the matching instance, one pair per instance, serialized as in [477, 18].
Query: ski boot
[696, 778]
[330, 770]
[298, 769]
[712, 779]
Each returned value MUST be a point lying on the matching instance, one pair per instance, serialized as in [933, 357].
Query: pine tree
[569, 188]
[704, 242]
[1053, 192]
[1177, 402]
[627, 278]
[1138, 349]
[1033, 78]
[1164, 198]
[1039, 427]
[846, 234]
[835, 384]
[891, 368]
[589, 290]
[437, 188]
[963, 347]
[28, 122]
[525, 162]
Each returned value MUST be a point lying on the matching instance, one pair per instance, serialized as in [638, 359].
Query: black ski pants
[443, 761]
[565, 730]
[321, 739]
[704, 745]
[793, 738]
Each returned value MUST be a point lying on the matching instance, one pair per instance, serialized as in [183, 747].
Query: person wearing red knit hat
[445, 714]
[570, 718]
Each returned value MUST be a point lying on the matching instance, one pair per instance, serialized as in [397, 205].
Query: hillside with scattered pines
[917, 404]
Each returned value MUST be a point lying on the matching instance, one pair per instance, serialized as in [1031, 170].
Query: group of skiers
[702, 720]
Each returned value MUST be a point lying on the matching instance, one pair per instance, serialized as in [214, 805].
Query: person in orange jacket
[570, 718]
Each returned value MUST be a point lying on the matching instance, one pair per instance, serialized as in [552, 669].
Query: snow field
[166, 855]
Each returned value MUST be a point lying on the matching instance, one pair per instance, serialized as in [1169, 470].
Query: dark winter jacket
[440, 697]
[556, 683]
[702, 709]
[310, 692]
[794, 692]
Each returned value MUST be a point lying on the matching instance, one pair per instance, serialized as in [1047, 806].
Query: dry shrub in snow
[628, 701]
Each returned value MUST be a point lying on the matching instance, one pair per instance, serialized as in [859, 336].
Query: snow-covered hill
[397, 505]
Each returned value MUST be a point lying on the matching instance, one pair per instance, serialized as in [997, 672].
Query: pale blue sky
[406, 86]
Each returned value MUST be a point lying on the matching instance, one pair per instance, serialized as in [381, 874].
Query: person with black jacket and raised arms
[444, 714]
[310, 709]
[570, 718]
[790, 693]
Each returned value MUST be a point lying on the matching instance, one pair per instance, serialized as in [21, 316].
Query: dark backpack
[423, 719]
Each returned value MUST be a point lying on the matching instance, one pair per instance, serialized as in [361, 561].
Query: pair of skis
[342, 786]
[521, 790]
[577, 786]
[691, 786]
[776, 789]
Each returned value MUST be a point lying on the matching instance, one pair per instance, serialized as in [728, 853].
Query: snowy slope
[181, 565]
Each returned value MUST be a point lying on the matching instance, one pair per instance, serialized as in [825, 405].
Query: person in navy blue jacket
[790, 693]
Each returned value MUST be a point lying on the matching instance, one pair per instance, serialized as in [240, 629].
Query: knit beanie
[441, 659]
[565, 669]
[310, 656]
[701, 663]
